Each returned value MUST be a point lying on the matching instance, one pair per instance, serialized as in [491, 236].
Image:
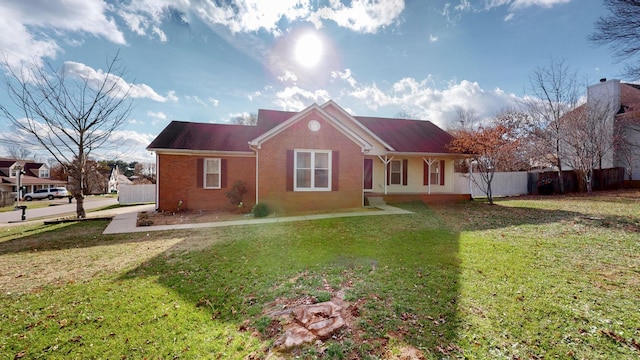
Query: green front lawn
[527, 278]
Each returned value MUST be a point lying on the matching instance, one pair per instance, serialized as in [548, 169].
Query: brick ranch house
[321, 158]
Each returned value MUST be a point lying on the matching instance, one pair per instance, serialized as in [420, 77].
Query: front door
[368, 175]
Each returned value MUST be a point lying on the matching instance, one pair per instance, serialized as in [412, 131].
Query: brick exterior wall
[178, 181]
[272, 159]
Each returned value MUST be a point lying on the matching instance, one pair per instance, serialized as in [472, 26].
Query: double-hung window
[312, 170]
[211, 174]
[43, 173]
[435, 173]
[395, 176]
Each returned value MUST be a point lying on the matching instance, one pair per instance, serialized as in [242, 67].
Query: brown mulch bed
[204, 216]
[187, 217]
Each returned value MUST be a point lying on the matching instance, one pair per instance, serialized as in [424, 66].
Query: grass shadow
[398, 273]
[522, 279]
[63, 236]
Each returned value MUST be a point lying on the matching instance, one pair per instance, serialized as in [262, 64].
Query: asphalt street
[56, 208]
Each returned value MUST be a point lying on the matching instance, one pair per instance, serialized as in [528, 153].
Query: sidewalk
[126, 222]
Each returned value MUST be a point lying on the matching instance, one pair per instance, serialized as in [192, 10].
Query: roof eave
[200, 152]
[257, 142]
[432, 154]
[364, 128]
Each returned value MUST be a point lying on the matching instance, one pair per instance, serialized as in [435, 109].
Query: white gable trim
[364, 128]
[364, 145]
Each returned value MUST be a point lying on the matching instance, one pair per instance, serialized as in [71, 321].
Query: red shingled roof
[409, 135]
[403, 135]
[182, 135]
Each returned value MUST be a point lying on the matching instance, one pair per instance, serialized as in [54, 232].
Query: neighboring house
[321, 158]
[34, 176]
[618, 104]
[116, 179]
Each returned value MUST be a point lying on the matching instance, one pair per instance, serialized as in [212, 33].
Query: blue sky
[209, 61]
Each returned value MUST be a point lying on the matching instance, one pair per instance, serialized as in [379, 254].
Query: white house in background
[116, 179]
[618, 103]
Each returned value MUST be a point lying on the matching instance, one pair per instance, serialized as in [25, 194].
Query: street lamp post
[19, 173]
[18, 169]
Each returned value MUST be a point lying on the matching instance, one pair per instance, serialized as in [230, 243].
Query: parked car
[50, 194]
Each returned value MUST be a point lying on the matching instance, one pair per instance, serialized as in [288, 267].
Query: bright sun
[308, 50]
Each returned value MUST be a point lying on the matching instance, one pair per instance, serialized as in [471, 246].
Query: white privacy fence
[503, 184]
[135, 194]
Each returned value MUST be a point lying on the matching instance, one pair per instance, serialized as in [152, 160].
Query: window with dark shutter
[335, 163]
[199, 172]
[289, 175]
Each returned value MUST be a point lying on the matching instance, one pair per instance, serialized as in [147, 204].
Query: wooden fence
[547, 182]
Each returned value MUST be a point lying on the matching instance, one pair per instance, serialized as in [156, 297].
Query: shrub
[260, 210]
[236, 192]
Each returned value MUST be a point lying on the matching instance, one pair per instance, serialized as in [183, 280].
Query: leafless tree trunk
[591, 137]
[554, 93]
[627, 149]
[69, 116]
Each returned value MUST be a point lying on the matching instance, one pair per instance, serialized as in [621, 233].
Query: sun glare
[308, 50]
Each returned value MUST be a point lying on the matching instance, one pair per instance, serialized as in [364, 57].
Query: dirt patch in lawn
[206, 216]
[187, 217]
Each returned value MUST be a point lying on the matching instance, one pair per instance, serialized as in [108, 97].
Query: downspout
[157, 178]
[257, 177]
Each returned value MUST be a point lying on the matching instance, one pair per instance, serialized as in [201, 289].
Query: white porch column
[385, 161]
[429, 162]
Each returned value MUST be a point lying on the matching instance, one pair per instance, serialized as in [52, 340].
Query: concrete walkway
[126, 222]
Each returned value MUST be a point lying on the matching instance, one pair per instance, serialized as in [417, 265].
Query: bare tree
[490, 147]
[245, 119]
[627, 149]
[554, 93]
[69, 116]
[592, 137]
[619, 30]
[18, 152]
[467, 119]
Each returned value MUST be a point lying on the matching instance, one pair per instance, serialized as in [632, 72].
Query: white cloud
[424, 100]
[158, 115]
[346, 76]
[254, 95]
[542, 3]
[294, 98]
[213, 101]
[245, 16]
[454, 12]
[95, 78]
[21, 38]
[171, 95]
[433, 38]
[362, 16]
[129, 145]
[288, 76]
[196, 99]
